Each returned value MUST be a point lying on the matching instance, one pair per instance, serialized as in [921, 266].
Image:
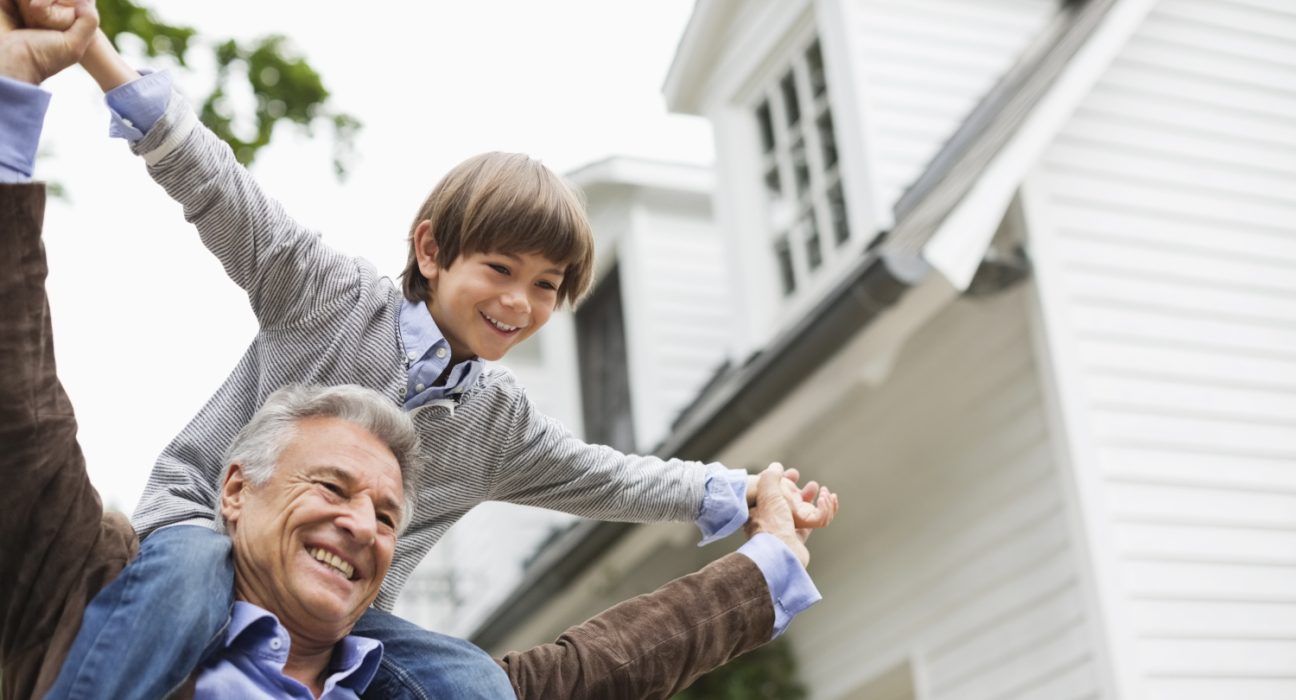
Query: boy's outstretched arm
[105, 65]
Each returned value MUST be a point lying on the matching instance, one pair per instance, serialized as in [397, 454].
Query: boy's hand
[777, 499]
[814, 506]
[32, 55]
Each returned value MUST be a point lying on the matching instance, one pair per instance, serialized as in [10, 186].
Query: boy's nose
[517, 301]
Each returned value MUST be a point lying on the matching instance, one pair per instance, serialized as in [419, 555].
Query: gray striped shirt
[329, 318]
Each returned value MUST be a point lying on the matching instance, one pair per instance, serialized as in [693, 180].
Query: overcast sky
[147, 325]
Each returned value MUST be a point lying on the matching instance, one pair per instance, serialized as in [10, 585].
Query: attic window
[800, 171]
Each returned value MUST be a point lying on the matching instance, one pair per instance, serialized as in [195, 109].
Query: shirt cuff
[138, 105]
[724, 505]
[791, 589]
[22, 114]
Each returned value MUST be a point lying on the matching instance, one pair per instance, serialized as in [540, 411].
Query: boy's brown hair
[505, 203]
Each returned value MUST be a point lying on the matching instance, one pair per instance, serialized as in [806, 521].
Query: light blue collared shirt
[427, 352]
[789, 582]
[250, 665]
[22, 114]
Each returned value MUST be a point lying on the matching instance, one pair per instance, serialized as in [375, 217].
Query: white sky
[146, 324]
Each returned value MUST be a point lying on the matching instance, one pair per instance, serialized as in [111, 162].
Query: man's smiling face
[313, 543]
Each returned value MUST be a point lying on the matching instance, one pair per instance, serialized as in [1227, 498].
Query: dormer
[656, 324]
[826, 113]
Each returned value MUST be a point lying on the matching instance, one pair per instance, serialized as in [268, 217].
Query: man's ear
[425, 250]
[233, 492]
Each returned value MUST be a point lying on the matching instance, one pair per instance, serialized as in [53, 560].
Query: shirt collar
[419, 332]
[257, 630]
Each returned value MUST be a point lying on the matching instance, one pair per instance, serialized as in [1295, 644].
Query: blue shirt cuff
[22, 114]
[791, 589]
[138, 105]
[724, 505]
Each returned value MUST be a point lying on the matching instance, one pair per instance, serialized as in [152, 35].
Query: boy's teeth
[502, 326]
[333, 560]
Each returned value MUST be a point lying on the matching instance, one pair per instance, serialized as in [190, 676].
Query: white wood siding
[678, 318]
[1166, 218]
[921, 66]
[953, 548]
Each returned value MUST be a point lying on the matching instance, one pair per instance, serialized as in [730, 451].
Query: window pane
[783, 253]
[766, 127]
[827, 139]
[772, 187]
[837, 207]
[800, 167]
[790, 103]
[814, 251]
[814, 62]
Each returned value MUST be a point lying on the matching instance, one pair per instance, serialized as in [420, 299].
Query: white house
[1018, 278]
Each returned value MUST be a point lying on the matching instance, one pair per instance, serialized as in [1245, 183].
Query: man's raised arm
[657, 644]
[54, 547]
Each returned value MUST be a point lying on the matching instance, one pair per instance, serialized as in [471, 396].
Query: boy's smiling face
[486, 303]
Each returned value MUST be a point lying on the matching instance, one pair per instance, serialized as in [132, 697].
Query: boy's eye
[548, 286]
[498, 268]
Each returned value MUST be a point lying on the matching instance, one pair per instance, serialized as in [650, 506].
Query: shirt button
[275, 644]
[412, 355]
[419, 387]
[440, 352]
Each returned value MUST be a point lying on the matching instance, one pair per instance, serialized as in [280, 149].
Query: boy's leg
[148, 629]
[421, 665]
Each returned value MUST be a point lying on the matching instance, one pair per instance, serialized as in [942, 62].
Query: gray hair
[258, 445]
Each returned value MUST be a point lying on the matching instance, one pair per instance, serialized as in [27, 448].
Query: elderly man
[317, 487]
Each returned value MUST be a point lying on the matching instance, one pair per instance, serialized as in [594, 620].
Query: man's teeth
[332, 560]
[502, 326]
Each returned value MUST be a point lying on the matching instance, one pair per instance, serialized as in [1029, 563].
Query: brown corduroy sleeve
[656, 644]
[56, 548]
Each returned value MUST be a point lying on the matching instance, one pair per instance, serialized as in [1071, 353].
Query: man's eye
[387, 520]
[337, 490]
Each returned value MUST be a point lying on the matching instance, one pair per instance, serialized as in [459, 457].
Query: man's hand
[806, 513]
[777, 498]
[32, 55]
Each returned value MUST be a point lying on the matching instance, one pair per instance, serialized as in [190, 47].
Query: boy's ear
[232, 493]
[425, 250]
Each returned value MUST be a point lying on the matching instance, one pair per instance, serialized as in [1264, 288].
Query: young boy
[498, 244]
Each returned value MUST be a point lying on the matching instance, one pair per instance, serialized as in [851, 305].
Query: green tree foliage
[768, 673]
[284, 85]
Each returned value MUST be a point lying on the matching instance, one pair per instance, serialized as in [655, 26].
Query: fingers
[768, 482]
[82, 32]
[58, 15]
[815, 512]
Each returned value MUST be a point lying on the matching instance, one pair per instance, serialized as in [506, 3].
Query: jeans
[143, 633]
[148, 629]
[422, 665]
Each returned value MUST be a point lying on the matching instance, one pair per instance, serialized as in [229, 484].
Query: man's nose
[360, 520]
